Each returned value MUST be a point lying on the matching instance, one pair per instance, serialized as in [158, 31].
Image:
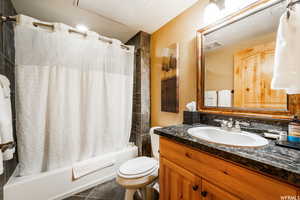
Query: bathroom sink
[219, 136]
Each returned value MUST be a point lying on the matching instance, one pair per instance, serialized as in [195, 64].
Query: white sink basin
[219, 136]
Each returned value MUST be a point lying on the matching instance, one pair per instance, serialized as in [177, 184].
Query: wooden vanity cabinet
[189, 174]
[178, 183]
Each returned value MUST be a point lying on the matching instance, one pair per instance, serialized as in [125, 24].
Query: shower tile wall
[141, 93]
[7, 60]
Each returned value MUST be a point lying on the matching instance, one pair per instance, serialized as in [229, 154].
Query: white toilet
[139, 172]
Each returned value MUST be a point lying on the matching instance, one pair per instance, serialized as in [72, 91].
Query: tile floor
[106, 191]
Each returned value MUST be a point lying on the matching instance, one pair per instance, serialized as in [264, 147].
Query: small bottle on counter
[282, 136]
[294, 130]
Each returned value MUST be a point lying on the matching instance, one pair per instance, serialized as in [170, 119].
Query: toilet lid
[140, 165]
[153, 172]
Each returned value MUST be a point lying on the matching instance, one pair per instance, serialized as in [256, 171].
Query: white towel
[192, 106]
[224, 98]
[287, 65]
[92, 165]
[6, 130]
[210, 98]
[1, 160]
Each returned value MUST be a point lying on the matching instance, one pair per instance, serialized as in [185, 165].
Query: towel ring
[5, 146]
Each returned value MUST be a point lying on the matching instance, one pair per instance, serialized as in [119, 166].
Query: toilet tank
[155, 142]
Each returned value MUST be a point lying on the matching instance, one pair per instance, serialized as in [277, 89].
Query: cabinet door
[177, 183]
[212, 192]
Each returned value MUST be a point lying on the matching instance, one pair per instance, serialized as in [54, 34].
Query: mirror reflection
[238, 63]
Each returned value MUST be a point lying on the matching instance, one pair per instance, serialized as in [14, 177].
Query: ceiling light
[211, 13]
[82, 28]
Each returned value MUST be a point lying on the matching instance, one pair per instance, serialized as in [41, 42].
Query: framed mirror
[235, 66]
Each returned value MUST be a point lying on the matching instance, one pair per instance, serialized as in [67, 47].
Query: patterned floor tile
[108, 191]
[85, 193]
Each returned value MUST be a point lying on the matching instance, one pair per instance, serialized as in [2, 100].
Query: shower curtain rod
[36, 24]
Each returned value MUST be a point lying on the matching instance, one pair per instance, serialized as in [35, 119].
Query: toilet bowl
[139, 172]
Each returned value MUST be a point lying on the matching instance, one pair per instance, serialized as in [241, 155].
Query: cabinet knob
[204, 193]
[187, 155]
[195, 187]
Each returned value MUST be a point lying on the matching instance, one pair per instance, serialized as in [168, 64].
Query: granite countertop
[278, 162]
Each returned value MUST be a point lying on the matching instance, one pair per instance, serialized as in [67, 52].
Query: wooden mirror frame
[293, 101]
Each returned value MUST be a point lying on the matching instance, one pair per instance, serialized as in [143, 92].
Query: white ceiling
[119, 19]
[146, 15]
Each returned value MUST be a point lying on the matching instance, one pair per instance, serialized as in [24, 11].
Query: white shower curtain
[74, 96]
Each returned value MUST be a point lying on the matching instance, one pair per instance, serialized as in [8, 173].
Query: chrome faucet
[237, 127]
[231, 125]
[224, 123]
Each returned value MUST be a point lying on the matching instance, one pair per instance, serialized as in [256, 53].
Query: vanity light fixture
[211, 13]
[217, 9]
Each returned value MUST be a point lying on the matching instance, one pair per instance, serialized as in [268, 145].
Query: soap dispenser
[294, 130]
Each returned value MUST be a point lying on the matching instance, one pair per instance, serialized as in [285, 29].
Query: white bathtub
[58, 184]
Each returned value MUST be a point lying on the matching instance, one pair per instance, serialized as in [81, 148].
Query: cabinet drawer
[244, 183]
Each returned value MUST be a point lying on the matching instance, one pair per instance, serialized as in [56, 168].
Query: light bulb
[82, 28]
[211, 13]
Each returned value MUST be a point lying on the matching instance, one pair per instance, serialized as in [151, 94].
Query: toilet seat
[151, 172]
[138, 167]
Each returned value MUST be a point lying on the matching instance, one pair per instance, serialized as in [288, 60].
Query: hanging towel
[1, 160]
[210, 98]
[287, 64]
[6, 130]
[224, 98]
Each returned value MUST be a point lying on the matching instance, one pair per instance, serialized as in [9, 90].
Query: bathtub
[58, 184]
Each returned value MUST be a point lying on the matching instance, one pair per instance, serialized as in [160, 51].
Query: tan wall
[182, 30]
[219, 63]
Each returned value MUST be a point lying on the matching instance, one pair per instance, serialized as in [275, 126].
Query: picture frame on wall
[170, 79]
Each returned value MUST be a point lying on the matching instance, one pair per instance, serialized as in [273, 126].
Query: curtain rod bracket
[8, 18]
[9, 145]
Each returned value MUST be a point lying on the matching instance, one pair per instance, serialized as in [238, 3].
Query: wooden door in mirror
[252, 80]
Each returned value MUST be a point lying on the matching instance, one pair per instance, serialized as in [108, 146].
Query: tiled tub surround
[141, 93]
[278, 162]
